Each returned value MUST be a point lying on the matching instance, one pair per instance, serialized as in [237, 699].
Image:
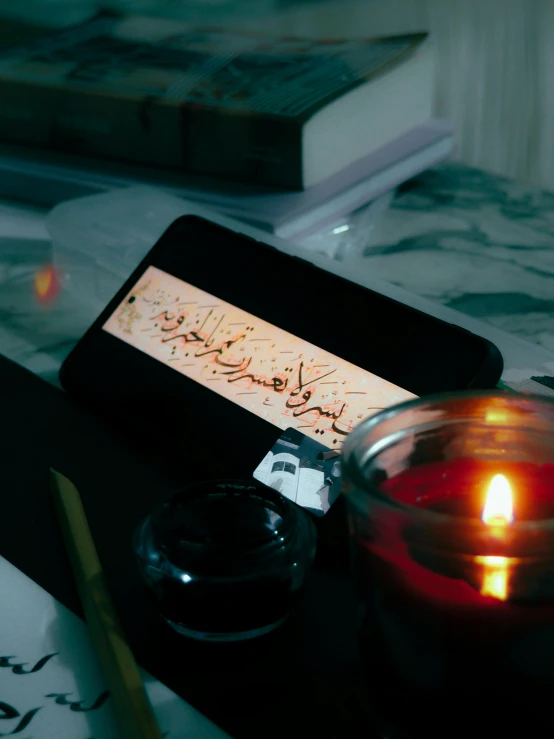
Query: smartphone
[218, 346]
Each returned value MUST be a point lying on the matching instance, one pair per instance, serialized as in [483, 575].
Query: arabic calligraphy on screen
[268, 371]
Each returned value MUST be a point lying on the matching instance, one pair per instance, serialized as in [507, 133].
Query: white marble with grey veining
[476, 242]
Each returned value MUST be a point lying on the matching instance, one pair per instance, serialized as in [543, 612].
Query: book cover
[203, 101]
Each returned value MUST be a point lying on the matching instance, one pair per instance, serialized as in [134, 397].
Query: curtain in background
[494, 68]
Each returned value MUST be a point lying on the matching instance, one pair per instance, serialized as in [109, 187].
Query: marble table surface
[457, 236]
[476, 242]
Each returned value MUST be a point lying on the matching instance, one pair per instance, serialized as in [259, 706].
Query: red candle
[454, 559]
[449, 622]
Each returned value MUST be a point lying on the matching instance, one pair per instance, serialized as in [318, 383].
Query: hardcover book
[288, 112]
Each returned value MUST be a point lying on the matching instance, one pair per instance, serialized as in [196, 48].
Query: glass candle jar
[225, 560]
[451, 515]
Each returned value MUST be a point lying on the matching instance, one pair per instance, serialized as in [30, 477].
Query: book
[296, 479]
[303, 470]
[47, 178]
[286, 112]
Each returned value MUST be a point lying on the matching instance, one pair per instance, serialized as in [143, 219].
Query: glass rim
[353, 467]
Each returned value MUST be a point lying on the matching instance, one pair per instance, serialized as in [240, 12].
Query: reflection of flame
[47, 284]
[497, 513]
[498, 416]
[498, 510]
[495, 576]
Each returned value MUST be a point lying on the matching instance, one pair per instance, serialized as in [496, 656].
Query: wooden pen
[133, 709]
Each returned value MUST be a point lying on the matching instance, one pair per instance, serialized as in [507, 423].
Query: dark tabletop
[303, 680]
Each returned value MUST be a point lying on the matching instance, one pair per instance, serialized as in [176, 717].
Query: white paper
[34, 625]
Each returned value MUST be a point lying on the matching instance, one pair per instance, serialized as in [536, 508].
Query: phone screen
[280, 377]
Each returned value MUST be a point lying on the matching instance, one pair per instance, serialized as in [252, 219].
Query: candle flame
[499, 509]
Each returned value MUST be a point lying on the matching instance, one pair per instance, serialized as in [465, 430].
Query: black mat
[302, 681]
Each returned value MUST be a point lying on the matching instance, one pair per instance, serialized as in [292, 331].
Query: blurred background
[496, 58]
